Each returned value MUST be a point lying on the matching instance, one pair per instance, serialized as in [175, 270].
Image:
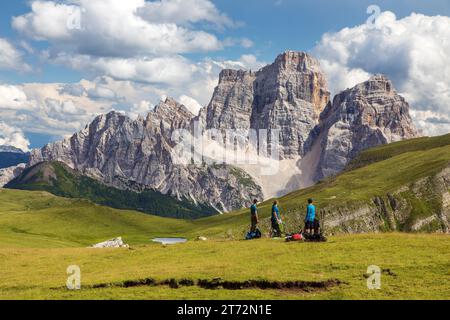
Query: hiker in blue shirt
[276, 221]
[310, 217]
[254, 216]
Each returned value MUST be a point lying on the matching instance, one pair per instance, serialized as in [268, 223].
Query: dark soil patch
[218, 283]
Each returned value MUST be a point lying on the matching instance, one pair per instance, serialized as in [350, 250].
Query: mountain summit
[288, 95]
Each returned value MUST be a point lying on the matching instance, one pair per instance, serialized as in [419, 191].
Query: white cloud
[184, 12]
[243, 42]
[190, 103]
[13, 97]
[11, 136]
[414, 52]
[11, 58]
[101, 92]
[159, 70]
[114, 28]
[245, 62]
[141, 108]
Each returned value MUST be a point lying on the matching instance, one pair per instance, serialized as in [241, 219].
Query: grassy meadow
[414, 267]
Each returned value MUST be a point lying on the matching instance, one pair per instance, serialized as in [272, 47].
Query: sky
[64, 62]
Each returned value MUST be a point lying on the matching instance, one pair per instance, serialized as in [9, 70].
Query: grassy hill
[60, 180]
[388, 151]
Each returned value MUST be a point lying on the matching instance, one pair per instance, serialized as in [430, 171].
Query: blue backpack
[253, 235]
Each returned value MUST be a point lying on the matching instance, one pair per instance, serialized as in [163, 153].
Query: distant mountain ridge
[12, 149]
[11, 156]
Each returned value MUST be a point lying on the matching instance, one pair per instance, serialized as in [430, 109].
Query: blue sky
[268, 27]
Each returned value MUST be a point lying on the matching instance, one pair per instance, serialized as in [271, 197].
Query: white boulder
[113, 243]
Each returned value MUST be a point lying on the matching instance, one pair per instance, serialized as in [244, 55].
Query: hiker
[310, 217]
[254, 216]
[276, 221]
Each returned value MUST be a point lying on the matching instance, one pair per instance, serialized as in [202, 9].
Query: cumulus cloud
[11, 58]
[11, 136]
[414, 52]
[13, 97]
[185, 12]
[135, 40]
[190, 103]
[116, 28]
[157, 70]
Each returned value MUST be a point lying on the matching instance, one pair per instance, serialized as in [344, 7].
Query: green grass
[390, 150]
[419, 268]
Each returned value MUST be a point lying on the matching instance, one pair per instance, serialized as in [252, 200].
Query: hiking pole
[322, 219]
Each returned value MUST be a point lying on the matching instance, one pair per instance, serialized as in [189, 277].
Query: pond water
[170, 240]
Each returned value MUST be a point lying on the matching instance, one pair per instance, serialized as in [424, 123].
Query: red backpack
[297, 237]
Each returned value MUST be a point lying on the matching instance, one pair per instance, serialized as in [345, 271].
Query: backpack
[315, 237]
[294, 237]
[254, 235]
[297, 237]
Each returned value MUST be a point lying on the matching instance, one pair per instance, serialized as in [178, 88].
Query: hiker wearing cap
[276, 221]
[310, 217]
[254, 216]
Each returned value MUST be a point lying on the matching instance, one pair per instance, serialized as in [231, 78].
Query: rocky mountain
[10, 173]
[137, 155]
[370, 114]
[289, 98]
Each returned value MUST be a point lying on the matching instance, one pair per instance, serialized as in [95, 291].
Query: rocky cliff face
[288, 95]
[395, 211]
[137, 154]
[368, 115]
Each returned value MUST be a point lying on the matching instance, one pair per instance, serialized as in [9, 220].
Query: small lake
[169, 240]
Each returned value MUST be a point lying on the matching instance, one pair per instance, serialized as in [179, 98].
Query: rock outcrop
[113, 243]
[8, 174]
[395, 211]
[370, 114]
